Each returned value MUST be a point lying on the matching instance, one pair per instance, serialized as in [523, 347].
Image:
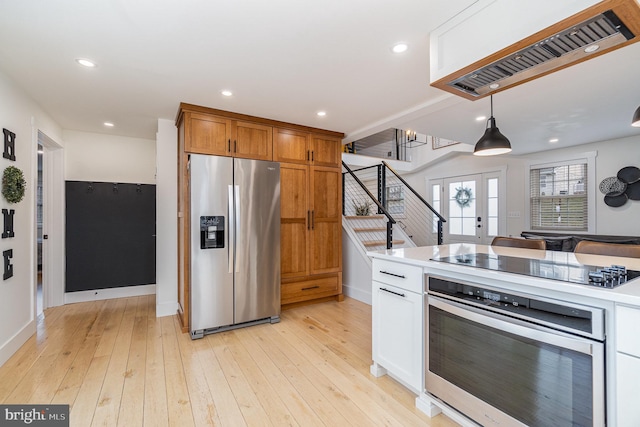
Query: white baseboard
[166, 309]
[110, 293]
[355, 293]
[15, 342]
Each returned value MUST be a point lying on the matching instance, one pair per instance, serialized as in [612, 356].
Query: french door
[471, 204]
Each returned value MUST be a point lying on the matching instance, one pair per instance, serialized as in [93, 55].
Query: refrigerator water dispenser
[211, 232]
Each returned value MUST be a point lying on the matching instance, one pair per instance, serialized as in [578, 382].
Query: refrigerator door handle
[236, 208]
[231, 233]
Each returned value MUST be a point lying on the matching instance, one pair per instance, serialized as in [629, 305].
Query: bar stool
[610, 249]
[513, 242]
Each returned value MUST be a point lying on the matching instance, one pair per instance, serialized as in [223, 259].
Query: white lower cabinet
[397, 333]
[627, 366]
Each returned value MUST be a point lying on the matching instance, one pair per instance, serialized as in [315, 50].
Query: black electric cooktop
[573, 272]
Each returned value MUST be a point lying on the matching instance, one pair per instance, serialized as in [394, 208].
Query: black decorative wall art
[622, 187]
[7, 215]
[9, 145]
[8, 267]
[13, 186]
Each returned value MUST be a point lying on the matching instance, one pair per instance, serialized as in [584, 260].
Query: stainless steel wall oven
[504, 358]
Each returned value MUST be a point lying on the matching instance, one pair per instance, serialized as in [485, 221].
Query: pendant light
[635, 122]
[492, 142]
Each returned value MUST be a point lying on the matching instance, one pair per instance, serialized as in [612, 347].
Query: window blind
[559, 197]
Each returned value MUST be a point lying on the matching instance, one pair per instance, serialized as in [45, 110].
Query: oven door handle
[516, 326]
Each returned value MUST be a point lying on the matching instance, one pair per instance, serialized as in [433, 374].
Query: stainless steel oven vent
[571, 45]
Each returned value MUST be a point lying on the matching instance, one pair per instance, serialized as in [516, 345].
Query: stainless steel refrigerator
[235, 243]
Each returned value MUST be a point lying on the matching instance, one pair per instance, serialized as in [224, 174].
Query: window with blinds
[559, 197]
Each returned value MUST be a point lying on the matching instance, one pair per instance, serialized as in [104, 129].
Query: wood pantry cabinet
[310, 232]
[310, 188]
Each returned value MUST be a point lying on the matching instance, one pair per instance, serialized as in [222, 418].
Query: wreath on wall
[463, 196]
[13, 184]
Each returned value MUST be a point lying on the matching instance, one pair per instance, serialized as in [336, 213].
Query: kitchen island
[401, 331]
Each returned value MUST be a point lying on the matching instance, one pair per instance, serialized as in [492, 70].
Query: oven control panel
[574, 318]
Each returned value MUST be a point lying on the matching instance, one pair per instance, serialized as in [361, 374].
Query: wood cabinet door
[326, 220]
[252, 141]
[294, 220]
[326, 151]
[291, 146]
[207, 134]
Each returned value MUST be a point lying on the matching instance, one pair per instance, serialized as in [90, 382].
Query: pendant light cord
[491, 98]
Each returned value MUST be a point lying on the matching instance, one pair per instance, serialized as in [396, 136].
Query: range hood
[601, 28]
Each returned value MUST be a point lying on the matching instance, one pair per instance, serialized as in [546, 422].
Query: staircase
[380, 211]
[371, 232]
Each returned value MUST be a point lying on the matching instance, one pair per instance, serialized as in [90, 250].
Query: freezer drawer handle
[311, 287]
[391, 292]
[393, 274]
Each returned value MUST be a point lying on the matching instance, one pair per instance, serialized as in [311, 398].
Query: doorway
[39, 235]
[473, 206]
[49, 225]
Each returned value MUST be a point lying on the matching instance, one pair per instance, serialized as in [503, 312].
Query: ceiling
[287, 60]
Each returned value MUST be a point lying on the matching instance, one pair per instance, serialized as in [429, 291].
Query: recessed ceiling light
[226, 92]
[399, 48]
[494, 85]
[108, 124]
[591, 48]
[554, 140]
[86, 62]
[321, 113]
[481, 118]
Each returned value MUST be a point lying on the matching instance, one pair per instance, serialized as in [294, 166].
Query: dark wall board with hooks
[110, 235]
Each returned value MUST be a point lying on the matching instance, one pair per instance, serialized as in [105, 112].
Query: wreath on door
[463, 196]
[13, 184]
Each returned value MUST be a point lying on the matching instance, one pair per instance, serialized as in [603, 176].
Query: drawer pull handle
[391, 292]
[311, 287]
[393, 274]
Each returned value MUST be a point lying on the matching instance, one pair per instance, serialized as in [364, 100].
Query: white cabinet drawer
[404, 276]
[627, 334]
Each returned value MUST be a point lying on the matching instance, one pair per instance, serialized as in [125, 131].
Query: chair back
[513, 242]
[610, 249]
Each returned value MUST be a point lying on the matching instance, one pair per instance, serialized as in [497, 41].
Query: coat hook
[90, 188]
[115, 187]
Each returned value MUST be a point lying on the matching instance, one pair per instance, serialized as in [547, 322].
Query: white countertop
[628, 293]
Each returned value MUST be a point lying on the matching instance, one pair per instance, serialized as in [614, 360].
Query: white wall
[611, 157]
[167, 216]
[19, 114]
[108, 158]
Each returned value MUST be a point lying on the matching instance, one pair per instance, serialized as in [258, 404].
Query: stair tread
[364, 217]
[381, 242]
[360, 230]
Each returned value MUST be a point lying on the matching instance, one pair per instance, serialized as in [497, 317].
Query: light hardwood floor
[115, 363]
